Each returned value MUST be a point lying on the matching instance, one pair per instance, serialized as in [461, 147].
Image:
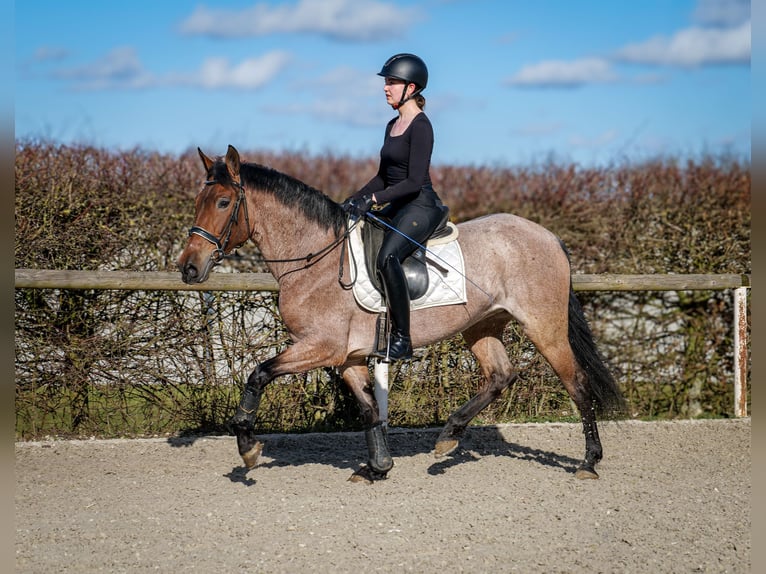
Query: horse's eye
[223, 203]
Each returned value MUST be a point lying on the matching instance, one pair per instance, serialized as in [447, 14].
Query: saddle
[414, 266]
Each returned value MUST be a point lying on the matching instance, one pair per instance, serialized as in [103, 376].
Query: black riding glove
[358, 206]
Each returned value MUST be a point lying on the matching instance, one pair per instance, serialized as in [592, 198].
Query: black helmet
[407, 67]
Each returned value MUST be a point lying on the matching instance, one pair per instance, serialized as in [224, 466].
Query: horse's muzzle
[191, 274]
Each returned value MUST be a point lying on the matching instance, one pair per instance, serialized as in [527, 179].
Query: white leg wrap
[381, 389]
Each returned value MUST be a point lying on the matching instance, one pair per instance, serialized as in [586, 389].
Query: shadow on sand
[347, 450]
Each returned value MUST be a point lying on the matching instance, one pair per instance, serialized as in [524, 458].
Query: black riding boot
[398, 301]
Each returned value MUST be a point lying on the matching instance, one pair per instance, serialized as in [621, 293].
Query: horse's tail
[606, 395]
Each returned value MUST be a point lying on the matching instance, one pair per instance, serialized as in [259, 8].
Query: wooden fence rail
[165, 281]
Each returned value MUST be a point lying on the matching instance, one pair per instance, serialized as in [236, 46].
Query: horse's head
[221, 221]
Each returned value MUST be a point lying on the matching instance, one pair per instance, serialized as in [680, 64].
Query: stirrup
[384, 337]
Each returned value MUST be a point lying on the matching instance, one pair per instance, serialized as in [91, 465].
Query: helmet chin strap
[406, 98]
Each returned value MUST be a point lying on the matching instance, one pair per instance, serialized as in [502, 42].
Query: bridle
[223, 242]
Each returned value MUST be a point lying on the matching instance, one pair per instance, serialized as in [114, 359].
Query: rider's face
[394, 88]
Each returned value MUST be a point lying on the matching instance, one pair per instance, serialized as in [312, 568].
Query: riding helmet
[407, 67]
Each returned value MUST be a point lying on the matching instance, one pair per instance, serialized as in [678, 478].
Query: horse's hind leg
[559, 354]
[485, 341]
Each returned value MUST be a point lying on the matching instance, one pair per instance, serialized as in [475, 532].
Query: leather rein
[221, 243]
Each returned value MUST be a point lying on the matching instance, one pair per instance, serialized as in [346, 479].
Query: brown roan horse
[516, 269]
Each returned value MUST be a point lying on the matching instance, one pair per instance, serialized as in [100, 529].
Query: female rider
[403, 181]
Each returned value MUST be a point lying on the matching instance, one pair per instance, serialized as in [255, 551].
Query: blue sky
[511, 82]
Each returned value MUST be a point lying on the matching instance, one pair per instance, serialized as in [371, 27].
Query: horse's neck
[284, 236]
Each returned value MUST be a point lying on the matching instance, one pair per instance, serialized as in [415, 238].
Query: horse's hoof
[247, 444]
[250, 457]
[445, 447]
[367, 475]
[381, 464]
[586, 472]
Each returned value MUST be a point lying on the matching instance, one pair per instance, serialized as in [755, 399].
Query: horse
[517, 270]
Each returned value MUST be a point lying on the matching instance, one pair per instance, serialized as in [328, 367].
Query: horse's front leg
[297, 358]
[243, 422]
[379, 461]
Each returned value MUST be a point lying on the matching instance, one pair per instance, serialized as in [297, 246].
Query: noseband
[223, 242]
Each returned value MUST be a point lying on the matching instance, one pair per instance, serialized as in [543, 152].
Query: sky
[511, 82]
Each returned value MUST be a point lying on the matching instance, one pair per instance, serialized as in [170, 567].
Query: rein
[223, 242]
[307, 258]
[321, 253]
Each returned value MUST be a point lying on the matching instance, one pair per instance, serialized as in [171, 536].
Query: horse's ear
[232, 162]
[206, 161]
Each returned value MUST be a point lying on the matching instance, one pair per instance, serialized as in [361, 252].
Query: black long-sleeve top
[405, 161]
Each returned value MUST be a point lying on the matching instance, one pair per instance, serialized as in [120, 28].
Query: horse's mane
[312, 203]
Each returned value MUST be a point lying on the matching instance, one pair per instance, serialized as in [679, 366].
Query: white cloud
[121, 62]
[122, 69]
[723, 13]
[340, 19]
[252, 73]
[50, 53]
[561, 73]
[693, 47]
[724, 37]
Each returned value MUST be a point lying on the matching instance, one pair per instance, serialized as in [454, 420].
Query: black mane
[312, 203]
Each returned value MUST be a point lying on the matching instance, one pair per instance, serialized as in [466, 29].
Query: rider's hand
[358, 206]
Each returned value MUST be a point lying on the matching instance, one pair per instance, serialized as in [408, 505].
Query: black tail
[606, 394]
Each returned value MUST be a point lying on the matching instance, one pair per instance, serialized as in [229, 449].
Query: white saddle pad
[446, 284]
